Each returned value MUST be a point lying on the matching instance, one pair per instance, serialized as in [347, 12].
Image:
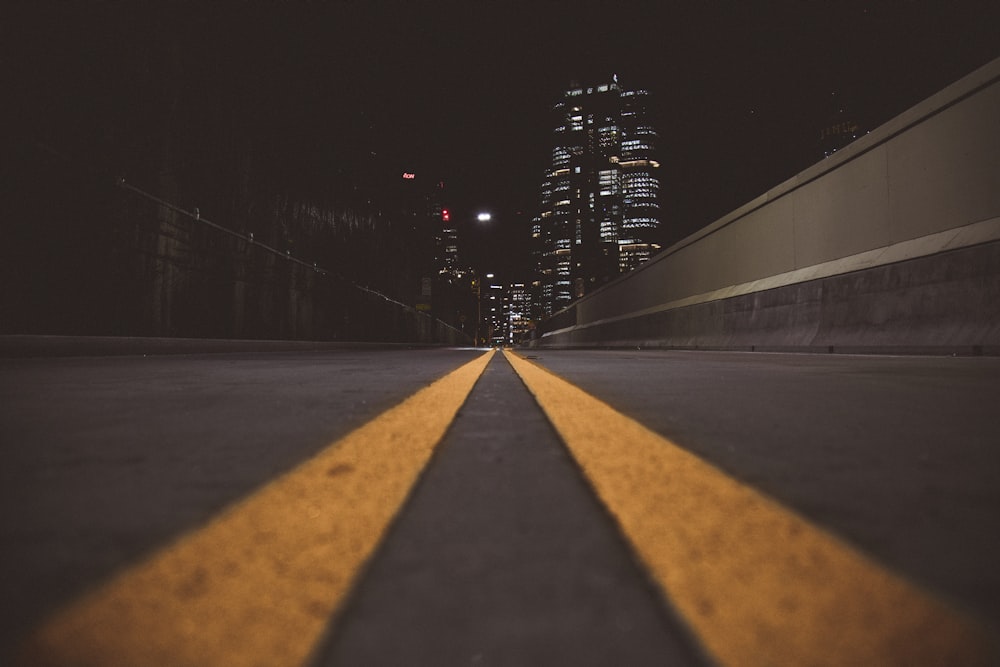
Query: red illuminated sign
[408, 176]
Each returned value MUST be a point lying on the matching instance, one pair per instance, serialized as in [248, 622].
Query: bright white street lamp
[483, 217]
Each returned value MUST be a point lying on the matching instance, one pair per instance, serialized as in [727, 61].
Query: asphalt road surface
[499, 543]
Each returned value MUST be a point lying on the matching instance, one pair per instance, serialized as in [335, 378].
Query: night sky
[460, 91]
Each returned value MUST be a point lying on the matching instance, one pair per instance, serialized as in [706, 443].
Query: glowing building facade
[600, 207]
[517, 313]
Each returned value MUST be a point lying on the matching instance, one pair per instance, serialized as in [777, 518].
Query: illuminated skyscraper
[599, 199]
[492, 309]
[517, 313]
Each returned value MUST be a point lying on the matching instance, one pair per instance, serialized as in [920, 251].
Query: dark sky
[741, 88]
[460, 90]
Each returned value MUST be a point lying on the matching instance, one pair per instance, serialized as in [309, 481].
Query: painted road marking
[756, 583]
[259, 583]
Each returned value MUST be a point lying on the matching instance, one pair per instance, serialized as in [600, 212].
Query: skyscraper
[446, 242]
[517, 313]
[599, 199]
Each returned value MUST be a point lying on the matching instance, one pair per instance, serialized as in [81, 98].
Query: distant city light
[483, 217]
[409, 176]
[445, 215]
[489, 275]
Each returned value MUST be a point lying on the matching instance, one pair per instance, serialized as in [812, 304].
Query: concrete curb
[27, 346]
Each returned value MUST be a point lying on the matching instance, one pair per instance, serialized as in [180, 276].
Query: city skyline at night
[464, 332]
[298, 124]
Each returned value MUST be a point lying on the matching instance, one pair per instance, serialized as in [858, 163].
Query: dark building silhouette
[839, 128]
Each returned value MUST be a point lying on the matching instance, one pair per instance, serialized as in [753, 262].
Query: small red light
[445, 215]
[408, 176]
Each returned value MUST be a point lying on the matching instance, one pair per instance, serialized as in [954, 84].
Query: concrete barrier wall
[924, 184]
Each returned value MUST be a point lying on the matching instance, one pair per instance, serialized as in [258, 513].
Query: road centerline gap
[503, 556]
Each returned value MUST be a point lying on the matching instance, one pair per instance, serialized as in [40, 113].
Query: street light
[483, 217]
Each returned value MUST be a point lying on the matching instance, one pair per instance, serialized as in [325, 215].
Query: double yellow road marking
[754, 582]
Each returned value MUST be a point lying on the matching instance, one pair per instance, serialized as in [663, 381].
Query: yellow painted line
[258, 584]
[756, 583]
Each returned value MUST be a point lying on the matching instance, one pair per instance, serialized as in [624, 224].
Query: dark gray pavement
[107, 458]
[898, 455]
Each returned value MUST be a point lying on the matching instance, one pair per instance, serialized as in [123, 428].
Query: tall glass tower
[599, 199]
